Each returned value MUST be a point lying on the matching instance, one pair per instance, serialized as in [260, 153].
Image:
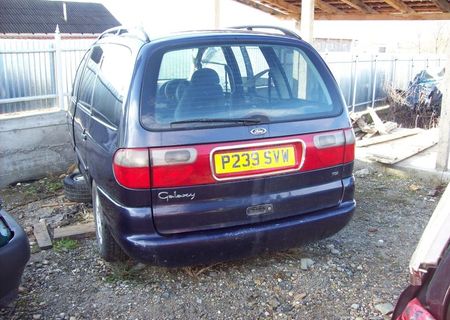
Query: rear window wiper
[244, 121]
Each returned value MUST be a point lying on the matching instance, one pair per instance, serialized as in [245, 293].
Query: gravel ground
[348, 276]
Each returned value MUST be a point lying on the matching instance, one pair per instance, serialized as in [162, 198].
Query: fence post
[355, 83]
[58, 69]
[374, 86]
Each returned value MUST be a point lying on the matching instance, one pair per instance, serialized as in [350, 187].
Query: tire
[76, 189]
[108, 248]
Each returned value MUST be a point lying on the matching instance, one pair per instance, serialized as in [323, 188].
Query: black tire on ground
[108, 248]
[76, 189]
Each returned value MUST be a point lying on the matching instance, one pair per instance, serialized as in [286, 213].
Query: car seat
[202, 97]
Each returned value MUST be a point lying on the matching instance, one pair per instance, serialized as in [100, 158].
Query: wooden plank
[390, 126]
[377, 122]
[442, 4]
[266, 9]
[286, 10]
[398, 150]
[388, 137]
[282, 5]
[399, 5]
[383, 16]
[359, 5]
[273, 7]
[328, 8]
[42, 236]
[369, 135]
[365, 127]
[77, 231]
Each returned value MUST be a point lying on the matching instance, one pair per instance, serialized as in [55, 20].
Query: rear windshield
[234, 85]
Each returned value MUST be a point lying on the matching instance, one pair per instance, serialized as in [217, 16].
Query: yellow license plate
[255, 160]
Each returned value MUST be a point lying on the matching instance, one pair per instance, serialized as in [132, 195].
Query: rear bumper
[134, 231]
[13, 258]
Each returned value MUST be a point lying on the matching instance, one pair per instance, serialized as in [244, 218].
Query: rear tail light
[174, 167]
[326, 150]
[349, 152]
[131, 168]
[329, 149]
[143, 168]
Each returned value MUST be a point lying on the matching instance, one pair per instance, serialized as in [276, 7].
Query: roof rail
[131, 32]
[286, 32]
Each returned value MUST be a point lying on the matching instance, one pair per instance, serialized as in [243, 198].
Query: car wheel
[108, 248]
[76, 189]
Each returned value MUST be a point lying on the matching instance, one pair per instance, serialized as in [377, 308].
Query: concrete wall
[34, 146]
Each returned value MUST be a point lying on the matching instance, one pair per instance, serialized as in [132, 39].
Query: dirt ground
[356, 274]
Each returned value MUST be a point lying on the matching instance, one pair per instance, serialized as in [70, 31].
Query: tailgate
[243, 183]
[244, 202]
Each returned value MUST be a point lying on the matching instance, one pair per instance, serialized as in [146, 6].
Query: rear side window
[111, 83]
[226, 85]
[86, 85]
[76, 82]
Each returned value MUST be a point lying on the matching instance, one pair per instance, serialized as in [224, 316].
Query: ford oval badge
[258, 131]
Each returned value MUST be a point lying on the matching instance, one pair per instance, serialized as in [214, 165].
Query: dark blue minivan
[210, 145]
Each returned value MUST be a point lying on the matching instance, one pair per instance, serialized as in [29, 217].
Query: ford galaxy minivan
[210, 145]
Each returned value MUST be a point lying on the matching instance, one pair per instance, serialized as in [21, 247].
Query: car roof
[118, 33]
[238, 31]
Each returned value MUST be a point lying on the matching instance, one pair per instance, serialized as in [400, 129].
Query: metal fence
[37, 75]
[364, 79]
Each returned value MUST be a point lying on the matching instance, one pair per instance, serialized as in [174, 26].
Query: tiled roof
[38, 16]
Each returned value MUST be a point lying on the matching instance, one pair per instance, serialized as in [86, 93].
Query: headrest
[205, 76]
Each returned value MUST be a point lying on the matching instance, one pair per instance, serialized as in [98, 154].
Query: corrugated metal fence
[31, 75]
[37, 75]
[364, 78]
